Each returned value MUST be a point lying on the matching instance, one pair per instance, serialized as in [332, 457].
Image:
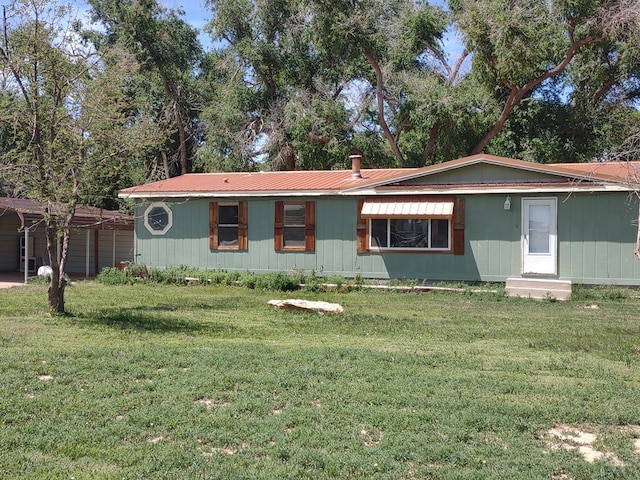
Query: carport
[98, 238]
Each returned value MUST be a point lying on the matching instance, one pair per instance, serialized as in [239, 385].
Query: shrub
[338, 280]
[249, 280]
[276, 281]
[113, 276]
[312, 282]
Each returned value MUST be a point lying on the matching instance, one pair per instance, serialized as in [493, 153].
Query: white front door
[539, 236]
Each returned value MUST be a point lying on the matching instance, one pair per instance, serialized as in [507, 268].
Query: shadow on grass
[155, 318]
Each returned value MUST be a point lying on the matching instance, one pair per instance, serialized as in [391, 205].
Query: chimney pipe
[355, 166]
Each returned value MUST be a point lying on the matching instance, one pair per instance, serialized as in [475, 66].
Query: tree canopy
[301, 84]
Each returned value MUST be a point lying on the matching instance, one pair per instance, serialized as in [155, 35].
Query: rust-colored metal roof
[311, 181]
[627, 172]
[84, 216]
[330, 182]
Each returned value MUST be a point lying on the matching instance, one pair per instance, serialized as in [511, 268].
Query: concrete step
[538, 288]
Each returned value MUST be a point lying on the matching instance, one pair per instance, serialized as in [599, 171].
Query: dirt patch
[209, 452]
[584, 440]
[209, 403]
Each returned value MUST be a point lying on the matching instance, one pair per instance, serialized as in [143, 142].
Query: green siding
[595, 242]
[596, 235]
[483, 173]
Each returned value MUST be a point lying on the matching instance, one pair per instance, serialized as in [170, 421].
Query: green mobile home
[480, 218]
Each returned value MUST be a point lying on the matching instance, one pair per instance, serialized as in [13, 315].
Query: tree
[74, 131]
[519, 46]
[394, 48]
[167, 46]
[304, 83]
[266, 81]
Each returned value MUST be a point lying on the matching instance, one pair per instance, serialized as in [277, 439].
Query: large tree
[304, 83]
[74, 131]
[168, 49]
[263, 71]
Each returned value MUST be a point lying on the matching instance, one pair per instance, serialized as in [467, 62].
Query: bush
[113, 276]
[276, 281]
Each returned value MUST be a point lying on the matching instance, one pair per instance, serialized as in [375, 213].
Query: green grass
[166, 382]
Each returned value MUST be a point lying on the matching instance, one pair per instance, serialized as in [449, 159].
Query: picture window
[410, 233]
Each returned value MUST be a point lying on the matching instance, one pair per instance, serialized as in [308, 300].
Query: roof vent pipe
[355, 165]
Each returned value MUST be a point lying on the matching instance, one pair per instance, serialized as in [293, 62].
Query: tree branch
[516, 93]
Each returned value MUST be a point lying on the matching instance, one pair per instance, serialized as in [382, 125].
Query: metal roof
[336, 182]
[87, 217]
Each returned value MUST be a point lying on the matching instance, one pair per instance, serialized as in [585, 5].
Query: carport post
[88, 252]
[26, 254]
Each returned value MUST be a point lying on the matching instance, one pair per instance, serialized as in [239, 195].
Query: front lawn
[169, 382]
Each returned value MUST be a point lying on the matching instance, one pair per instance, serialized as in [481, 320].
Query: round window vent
[158, 218]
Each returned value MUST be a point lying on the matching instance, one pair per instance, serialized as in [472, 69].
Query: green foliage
[277, 281]
[113, 276]
[600, 293]
[72, 121]
[525, 49]
[168, 51]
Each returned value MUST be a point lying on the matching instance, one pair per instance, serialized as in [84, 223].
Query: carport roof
[85, 217]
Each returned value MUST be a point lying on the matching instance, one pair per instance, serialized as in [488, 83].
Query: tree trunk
[431, 144]
[636, 247]
[55, 292]
[165, 164]
[381, 120]
[514, 98]
[182, 135]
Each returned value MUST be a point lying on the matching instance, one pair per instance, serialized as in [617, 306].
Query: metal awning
[406, 209]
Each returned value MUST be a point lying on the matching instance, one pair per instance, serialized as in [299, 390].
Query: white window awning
[381, 208]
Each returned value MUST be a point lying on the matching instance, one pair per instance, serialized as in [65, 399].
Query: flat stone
[297, 304]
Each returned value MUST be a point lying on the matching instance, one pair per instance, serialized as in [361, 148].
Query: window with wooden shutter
[228, 226]
[294, 226]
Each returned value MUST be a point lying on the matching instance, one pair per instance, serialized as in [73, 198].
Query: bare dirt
[583, 439]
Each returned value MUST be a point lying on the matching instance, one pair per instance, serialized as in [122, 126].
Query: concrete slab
[538, 288]
[8, 280]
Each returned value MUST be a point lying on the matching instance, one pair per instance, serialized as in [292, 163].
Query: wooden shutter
[310, 227]
[213, 226]
[243, 226]
[458, 226]
[362, 231]
[278, 237]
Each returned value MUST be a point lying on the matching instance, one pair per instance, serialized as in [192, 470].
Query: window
[228, 226]
[158, 218]
[403, 233]
[294, 226]
[406, 224]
